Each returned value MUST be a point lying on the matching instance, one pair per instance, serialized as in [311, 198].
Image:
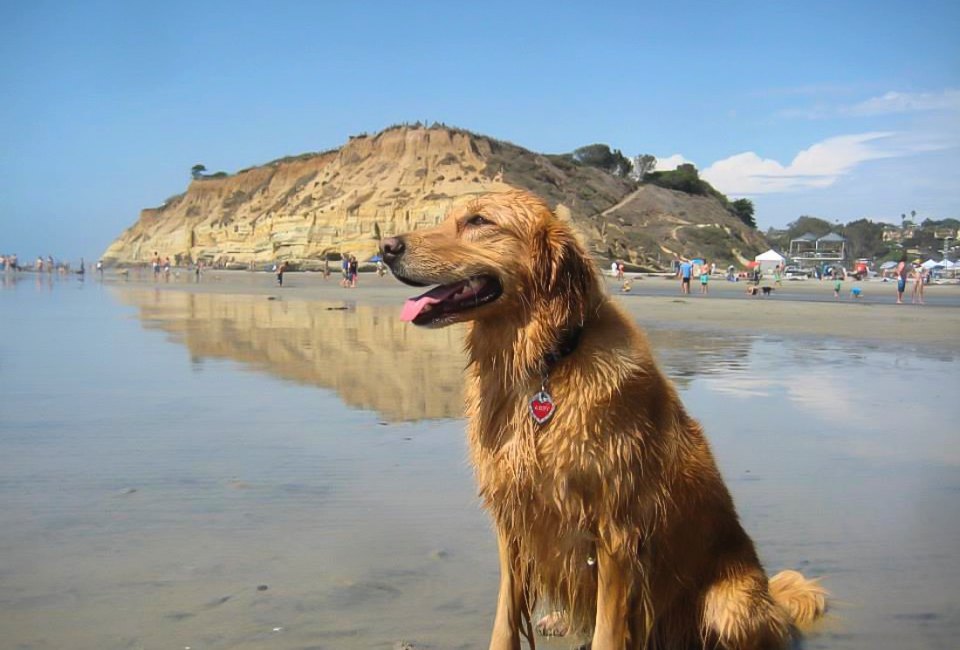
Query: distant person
[156, 264]
[620, 270]
[83, 269]
[326, 267]
[197, 270]
[627, 286]
[354, 271]
[837, 283]
[901, 272]
[704, 278]
[381, 269]
[686, 270]
[918, 277]
[855, 292]
[281, 269]
[345, 271]
[613, 268]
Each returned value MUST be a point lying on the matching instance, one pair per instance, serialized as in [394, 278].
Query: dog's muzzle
[391, 250]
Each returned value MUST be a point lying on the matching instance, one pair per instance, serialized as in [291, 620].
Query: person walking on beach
[704, 278]
[902, 270]
[280, 271]
[685, 271]
[326, 267]
[837, 283]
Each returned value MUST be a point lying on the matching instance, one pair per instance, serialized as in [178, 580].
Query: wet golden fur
[613, 510]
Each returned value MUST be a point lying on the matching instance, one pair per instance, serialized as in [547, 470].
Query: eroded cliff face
[310, 207]
[303, 208]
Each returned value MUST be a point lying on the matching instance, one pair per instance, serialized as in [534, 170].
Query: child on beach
[837, 283]
[704, 278]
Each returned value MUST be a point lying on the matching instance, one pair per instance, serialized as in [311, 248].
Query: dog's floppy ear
[563, 275]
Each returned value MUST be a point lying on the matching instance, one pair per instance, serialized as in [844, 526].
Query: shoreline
[798, 309]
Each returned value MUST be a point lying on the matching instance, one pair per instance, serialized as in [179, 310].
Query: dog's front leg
[610, 627]
[511, 601]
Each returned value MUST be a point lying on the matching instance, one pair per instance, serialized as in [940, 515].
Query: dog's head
[498, 256]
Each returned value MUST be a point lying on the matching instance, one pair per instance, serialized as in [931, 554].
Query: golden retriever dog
[605, 494]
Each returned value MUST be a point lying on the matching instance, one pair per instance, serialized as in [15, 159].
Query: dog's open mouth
[440, 303]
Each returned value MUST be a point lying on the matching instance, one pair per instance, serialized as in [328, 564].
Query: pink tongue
[413, 306]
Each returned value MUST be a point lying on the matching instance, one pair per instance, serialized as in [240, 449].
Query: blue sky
[840, 110]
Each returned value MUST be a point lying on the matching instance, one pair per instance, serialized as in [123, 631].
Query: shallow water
[233, 472]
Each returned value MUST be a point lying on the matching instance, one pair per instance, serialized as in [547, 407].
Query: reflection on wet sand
[365, 353]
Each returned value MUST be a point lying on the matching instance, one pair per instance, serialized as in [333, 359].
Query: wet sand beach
[804, 308]
[233, 465]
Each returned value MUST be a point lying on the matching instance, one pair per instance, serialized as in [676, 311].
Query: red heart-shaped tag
[541, 407]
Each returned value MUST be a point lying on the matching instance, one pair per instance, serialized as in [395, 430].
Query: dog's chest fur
[535, 471]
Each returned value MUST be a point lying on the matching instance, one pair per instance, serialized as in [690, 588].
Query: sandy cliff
[306, 207]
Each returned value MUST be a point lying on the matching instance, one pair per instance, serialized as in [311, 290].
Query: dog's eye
[477, 220]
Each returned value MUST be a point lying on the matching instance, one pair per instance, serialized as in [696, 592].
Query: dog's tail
[805, 600]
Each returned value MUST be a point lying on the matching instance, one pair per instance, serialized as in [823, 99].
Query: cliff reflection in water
[366, 354]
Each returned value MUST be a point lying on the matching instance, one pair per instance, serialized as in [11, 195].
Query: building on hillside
[804, 245]
[892, 236]
[809, 251]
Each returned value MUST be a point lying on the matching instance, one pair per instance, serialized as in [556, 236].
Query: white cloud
[670, 163]
[894, 102]
[886, 104]
[816, 167]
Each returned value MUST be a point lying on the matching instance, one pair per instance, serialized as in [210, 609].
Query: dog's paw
[553, 624]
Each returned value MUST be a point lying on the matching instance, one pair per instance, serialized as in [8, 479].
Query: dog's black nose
[391, 249]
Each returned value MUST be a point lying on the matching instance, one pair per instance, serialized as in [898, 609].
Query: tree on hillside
[743, 208]
[197, 171]
[807, 224]
[802, 226]
[642, 165]
[683, 179]
[600, 156]
[865, 239]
